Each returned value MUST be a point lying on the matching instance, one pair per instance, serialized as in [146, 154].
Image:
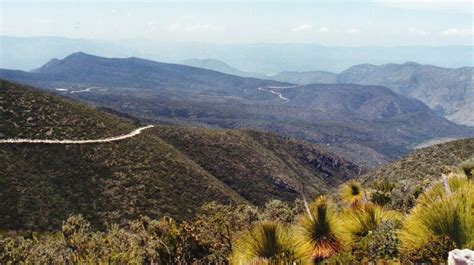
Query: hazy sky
[345, 23]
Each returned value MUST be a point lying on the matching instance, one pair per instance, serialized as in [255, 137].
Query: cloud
[462, 6]
[353, 31]
[195, 27]
[306, 28]
[457, 32]
[419, 32]
[204, 27]
[323, 29]
[303, 27]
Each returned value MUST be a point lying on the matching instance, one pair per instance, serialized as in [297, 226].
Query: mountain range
[450, 92]
[368, 125]
[165, 170]
[269, 58]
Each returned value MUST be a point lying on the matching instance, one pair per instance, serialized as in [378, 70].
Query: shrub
[352, 193]
[444, 214]
[468, 168]
[365, 219]
[320, 230]
[217, 225]
[380, 244]
[266, 243]
[382, 194]
[435, 251]
[278, 211]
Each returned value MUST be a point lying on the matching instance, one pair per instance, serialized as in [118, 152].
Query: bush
[468, 168]
[320, 230]
[444, 215]
[361, 221]
[266, 243]
[352, 193]
[380, 244]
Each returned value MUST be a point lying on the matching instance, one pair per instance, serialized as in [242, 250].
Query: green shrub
[365, 219]
[444, 214]
[266, 243]
[320, 230]
[352, 193]
[435, 251]
[468, 168]
[379, 244]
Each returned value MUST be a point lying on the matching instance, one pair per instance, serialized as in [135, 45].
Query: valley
[368, 125]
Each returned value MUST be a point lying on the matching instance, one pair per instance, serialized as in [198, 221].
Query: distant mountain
[369, 125]
[269, 58]
[163, 171]
[305, 78]
[450, 92]
[220, 66]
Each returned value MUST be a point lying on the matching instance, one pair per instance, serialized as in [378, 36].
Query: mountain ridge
[447, 91]
[372, 122]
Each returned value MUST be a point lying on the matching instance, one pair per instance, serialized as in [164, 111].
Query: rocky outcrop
[461, 257]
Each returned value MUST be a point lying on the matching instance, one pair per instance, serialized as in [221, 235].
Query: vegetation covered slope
[150, 174]
[42, 184]
[28, 113]
[261, 166]
[426, 164]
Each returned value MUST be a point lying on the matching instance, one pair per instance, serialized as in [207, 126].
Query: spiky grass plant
[266, 243]
[362, 220]
[444, 211]
[320, 230]
[352, 193]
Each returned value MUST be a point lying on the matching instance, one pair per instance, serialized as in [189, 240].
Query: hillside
[162, 171]
[425, 165]
[305, 78]
[220, 66]
[450, 92]
[369, 125]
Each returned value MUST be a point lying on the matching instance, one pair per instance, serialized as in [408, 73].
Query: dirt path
[269, 89]
[89, 141]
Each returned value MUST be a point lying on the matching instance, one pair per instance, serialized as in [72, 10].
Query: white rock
[461, 257]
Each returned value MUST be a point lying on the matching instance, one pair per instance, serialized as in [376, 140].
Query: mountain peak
[54, 66]
[411, 63]
[78, 54]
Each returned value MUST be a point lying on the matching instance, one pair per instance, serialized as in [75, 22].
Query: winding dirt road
[90, 141]
[269, 89]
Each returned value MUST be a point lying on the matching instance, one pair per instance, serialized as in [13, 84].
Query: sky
[336, 23]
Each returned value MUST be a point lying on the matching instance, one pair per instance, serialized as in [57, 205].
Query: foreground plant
[444, 214]
[352, 193]
[266, 243]
[320, 230]
[366, 218]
